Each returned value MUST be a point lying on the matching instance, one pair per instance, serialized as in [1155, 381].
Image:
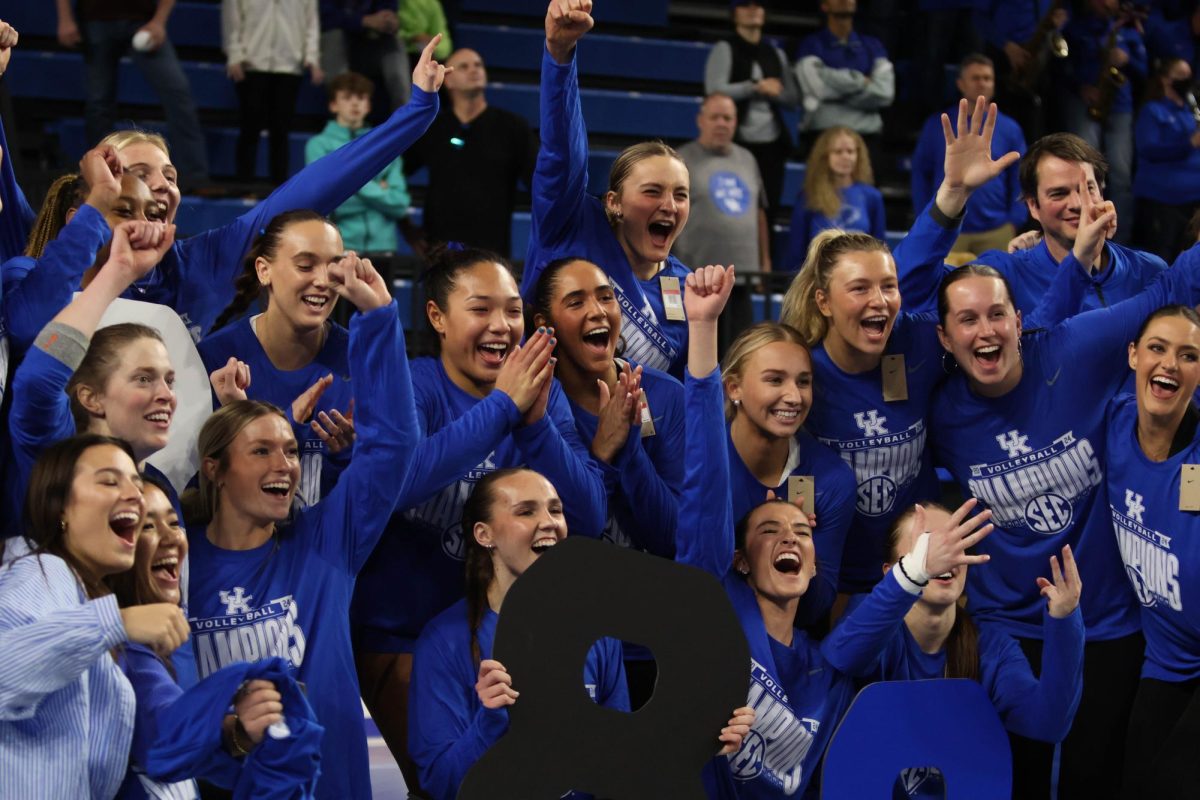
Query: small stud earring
[737, 402]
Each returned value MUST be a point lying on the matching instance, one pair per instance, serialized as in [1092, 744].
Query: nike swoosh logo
[917, 365]
[1052, 381]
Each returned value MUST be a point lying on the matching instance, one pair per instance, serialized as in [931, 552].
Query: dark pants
[104, 45]
[1090, 757]
[268, 102]
[772, 161]
[1162, 753]
[1160, 227]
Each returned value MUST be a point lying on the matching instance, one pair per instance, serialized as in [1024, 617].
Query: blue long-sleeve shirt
[1035, 457]
[1086, 36]
[290, 597]
[569, 222]
[1157, 543]
[872, 641]
[319, 470]
[1168, 166]
[196, 276]
[834, 490]
[416, 571]
[16, 217]
[998, 201]
[449, 729]
[797, 696]
[644, 480]
[155, 691]
[862, 210]
[66, 711]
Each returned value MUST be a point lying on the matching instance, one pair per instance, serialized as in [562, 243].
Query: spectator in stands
[1106, 53]
[846, 78]
[755, 74]
[360, 35]
[368, 219]
[1172, 30]
[1020, 36]
[476, 154]
[107, 29]
[1167, 184]
[838, 193]
[729, 200]
[995, 211]
[420, 21]
[268, 46]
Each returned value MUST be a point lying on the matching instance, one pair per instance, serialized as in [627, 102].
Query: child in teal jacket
[368, 219]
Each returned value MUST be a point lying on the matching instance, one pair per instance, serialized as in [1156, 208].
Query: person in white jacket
[268, 47]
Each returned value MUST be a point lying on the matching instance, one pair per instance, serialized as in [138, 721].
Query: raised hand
[8, 40]
[704, 298]
[160, 626]
[137, 247]
[304, 405]
[101, 171]
[527, 370]
[429, 74]
[1063, 594]
[356, 280]
[969, 164]
[1097, 222]
[257, 706]
[335, 430]
[620, 410]
[494, 686]
[735, 731]
[231, 381]
[566, 23]
[948, 545]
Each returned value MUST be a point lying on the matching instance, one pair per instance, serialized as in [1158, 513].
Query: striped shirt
[66, 710]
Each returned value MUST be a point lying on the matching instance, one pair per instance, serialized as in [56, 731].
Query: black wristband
[942, 219]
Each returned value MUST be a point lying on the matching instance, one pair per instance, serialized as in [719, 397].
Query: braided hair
[66, 193]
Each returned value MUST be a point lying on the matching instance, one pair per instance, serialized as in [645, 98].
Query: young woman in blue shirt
[766, 562]
[292, 346]
[267, 580]
[1152, 438]
[1012, 429]
[902, 631]
[630, 233]
[631, 415]
[874, 365]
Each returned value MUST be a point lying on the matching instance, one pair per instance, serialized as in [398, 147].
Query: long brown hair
[247, 289]
[49, 494]
[479, 568]
[962, 644]
[821, 192]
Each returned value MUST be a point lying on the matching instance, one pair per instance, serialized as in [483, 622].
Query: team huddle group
[343, 490]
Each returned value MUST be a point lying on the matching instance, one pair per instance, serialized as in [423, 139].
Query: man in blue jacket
[995, 211]
[1051, 174]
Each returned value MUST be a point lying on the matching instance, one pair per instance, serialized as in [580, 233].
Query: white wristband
[910, 570]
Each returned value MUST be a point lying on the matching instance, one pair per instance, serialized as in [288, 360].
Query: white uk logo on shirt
[1014, 443]
[1133, 505]
[237, 601]
[870, 423]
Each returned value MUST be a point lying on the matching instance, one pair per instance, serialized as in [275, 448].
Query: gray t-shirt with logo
[726, 194]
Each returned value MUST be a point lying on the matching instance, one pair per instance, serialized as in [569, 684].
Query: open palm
[969, 163]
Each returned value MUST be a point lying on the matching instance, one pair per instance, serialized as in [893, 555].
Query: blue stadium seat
[891, 727]
[600, 54]
[648, 13]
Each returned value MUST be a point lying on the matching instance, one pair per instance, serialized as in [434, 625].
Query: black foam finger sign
[580, 591]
